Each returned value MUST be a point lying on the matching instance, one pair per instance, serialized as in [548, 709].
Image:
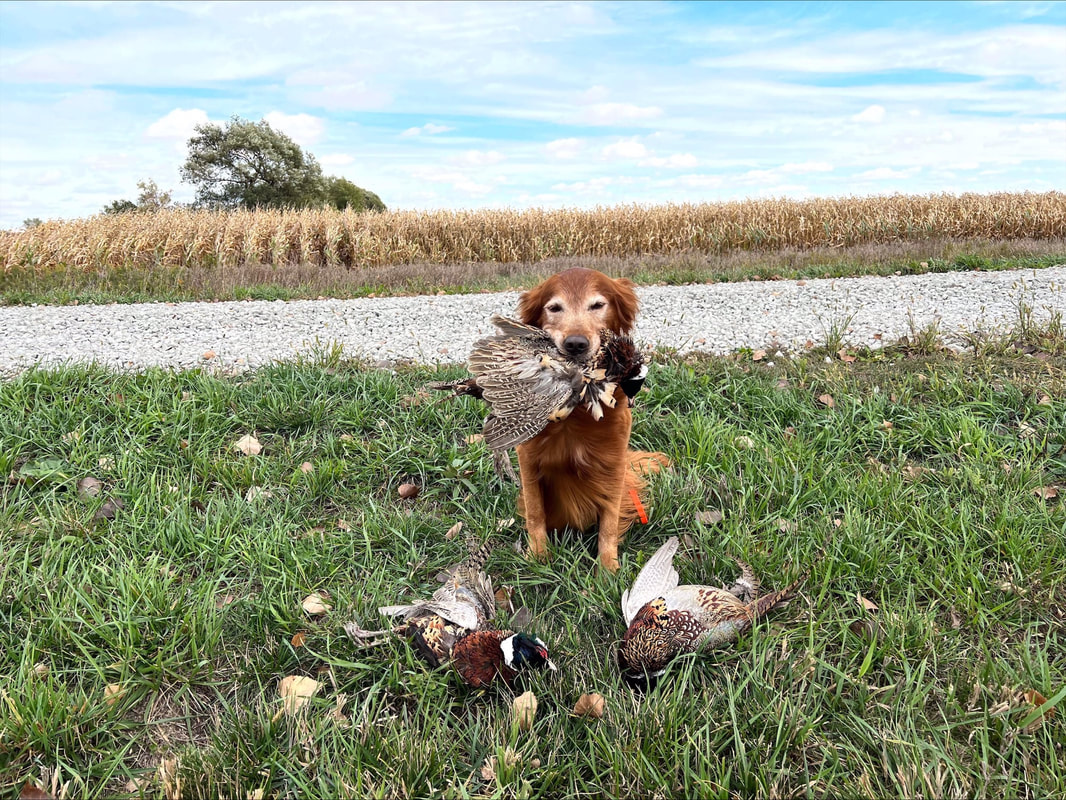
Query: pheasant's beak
[551, 666]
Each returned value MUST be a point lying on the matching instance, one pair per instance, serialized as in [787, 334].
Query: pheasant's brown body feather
[479, 660]
[666, 620]
[529, 384]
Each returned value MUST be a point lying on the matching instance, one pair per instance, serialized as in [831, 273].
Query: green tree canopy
[250, 164]
[120, 207]
[342, 193]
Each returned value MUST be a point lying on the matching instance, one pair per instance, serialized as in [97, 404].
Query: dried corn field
[186, 238]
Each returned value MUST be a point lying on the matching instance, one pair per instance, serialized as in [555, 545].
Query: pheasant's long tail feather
[458, 388]
[770, 601]
[512, 327]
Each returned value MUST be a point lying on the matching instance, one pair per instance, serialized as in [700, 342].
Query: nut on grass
[525, 710]
[590, 705]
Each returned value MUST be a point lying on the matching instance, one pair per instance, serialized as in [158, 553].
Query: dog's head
[575, 305]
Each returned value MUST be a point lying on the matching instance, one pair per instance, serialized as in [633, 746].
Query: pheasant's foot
[365, 638]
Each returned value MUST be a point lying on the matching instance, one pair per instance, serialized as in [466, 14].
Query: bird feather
[657, 577]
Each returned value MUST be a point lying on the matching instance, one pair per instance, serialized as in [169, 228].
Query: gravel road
[717, 318]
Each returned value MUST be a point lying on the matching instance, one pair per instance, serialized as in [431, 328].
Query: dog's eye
[555, 308]
[597, 305]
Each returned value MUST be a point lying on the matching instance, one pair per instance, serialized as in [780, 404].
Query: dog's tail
[646, 463]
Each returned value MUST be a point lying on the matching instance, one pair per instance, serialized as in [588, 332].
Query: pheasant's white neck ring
[507, 646]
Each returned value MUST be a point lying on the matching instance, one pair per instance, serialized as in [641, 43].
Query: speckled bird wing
[457, 604]
[523, 380]
[656, 578]
[718, 615]
[475, 586]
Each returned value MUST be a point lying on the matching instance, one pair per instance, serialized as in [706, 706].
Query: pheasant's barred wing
[446, 603]
[657, 577]
[708, 604]
[458, 611]
[476, 588]
[512, 327]
[503, 433]
[520, 409]
[523, 388]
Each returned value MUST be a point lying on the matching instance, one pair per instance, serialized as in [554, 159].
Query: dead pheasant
[456, 625]
[666, 620]
[528, 383]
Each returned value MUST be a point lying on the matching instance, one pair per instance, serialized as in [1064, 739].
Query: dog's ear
[624, 303]
[531, 304]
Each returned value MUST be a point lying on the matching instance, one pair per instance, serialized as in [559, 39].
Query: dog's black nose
[576, 345]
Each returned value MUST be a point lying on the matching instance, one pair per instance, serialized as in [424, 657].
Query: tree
[120, 207]
[151, 198]
[341, 193]
[32, 222]
[250, 164]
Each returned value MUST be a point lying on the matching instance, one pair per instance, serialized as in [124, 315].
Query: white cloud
[625, 149]
[429, 129]
[886, 173]
[999, 51]
[564, 148]
[617, 113]
[477, 158]
[348, 96]
[303, 129]
[595, 94]
[592, 185]
[874, 113]
[675, 161]
[694, 181]
[178, 124]
[806, 166]
[459, 181]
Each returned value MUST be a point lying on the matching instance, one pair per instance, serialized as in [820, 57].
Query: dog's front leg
[610, 532]
[532, 506]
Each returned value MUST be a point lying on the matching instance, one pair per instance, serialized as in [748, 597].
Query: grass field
[142, 646]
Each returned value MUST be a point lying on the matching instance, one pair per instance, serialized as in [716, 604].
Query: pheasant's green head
[523, 650]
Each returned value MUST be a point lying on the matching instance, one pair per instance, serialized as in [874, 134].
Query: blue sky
[578, 104]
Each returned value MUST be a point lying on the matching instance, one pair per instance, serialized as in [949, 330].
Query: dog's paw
[609, 563]
[538, 553]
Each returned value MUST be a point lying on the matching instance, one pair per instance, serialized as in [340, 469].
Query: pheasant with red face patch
[456, 625]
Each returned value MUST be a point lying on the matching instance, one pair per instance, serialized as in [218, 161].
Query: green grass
[22, 286]
[189, 598]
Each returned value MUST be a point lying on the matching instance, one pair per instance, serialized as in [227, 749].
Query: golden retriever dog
[580, 471]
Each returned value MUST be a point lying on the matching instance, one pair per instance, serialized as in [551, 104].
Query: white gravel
[718, 318]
